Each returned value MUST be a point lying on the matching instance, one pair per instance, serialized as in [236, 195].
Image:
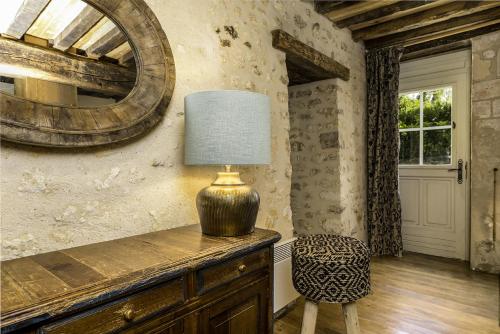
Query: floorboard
[414, 294]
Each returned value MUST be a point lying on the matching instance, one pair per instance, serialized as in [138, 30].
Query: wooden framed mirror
[110, 65]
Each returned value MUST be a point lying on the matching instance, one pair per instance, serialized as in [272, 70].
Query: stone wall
[314, 142]
[328, 157]
[351, 105]
[485, 151]
[54, 199]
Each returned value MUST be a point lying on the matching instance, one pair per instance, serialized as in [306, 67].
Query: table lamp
[227, 127]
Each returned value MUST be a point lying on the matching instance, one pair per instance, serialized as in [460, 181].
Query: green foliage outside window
[436, 106]
[409, 111]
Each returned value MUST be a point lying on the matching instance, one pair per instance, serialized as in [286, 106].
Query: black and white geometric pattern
[331, 268]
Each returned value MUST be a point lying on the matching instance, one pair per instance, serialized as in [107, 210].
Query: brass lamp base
[228, 207]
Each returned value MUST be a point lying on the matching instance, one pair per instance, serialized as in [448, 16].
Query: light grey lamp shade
[227, 127]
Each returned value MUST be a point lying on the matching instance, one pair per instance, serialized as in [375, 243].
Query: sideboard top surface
[41, 286]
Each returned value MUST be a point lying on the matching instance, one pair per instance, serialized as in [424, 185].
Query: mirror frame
[34, 123]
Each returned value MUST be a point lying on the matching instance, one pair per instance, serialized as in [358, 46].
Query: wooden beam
[106, 43]
[381, 12]
[420, 19]
[452, 39]
[460, 45]
[456, 31]
[325, 6]
[437, 30]
[307, 61]
[77, 28]
[81, 91]
[30, 39]
[18, 58]
[353, 8]
[26, 15]
[45, 91]
[127, 59]
[398, 15]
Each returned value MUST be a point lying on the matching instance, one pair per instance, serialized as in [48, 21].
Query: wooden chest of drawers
[173, 281]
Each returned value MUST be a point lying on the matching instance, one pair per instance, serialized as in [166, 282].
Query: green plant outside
[436, 106]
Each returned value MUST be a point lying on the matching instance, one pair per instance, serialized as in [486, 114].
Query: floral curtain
[384, 205]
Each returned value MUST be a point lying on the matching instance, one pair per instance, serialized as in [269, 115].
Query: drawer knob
[129, 315]
[242, 268]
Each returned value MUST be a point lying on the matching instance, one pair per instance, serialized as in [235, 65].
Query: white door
[434, 155]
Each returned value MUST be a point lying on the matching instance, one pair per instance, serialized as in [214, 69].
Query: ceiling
[70, 26]
[422, 27]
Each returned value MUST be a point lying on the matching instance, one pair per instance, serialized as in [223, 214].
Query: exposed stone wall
[314, 142]
[485, 141]
[351, 104]
[327, 139]
[53, 199]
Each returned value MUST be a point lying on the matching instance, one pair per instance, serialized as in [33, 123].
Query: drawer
[215, 276]
[125, 311]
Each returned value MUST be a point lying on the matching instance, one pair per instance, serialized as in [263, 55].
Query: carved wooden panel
[30, 122]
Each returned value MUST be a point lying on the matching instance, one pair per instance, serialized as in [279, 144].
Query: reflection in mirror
[63, 52]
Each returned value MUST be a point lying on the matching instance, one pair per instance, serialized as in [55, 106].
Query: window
[425, 127]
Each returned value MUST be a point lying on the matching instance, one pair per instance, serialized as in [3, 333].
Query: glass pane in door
[437, 147]
[409, 142]
[409, 111]
[437, 107]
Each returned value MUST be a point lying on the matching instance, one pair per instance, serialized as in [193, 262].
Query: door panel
[434, 135]
[436, 202]
[431, 202]
[410, 194]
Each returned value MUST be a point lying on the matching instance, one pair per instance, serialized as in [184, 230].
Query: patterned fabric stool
[331, 269]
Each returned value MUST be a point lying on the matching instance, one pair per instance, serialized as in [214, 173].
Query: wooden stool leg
[309, 318]
[351, 318]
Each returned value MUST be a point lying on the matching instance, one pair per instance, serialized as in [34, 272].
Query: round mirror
[77, 55]
[81, 73]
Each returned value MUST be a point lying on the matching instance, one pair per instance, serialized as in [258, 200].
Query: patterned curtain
[384, 205]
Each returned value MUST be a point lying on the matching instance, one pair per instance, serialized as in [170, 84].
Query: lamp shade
[227, 127]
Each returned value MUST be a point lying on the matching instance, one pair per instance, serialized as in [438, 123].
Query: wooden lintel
[106, 43]
[417, 20]
[52, 65]
[381, 12]
[306, 61]
[451, 39]
[438, 30]
[77, 28]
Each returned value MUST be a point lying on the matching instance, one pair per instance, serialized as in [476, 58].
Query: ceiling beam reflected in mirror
[18, 59]
[77, 28]
[18, 16]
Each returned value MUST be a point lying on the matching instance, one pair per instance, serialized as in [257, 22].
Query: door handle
[459, 170]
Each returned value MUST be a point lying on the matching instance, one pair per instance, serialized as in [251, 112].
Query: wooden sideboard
[172, 281]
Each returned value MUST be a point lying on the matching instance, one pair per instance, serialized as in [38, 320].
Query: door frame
[451, 69]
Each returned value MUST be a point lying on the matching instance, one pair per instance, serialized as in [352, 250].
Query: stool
[330, 269]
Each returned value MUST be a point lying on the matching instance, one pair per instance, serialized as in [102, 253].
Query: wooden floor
[415, 294]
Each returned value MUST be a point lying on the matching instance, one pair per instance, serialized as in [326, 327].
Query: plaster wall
[53, 199]
[485, 151]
